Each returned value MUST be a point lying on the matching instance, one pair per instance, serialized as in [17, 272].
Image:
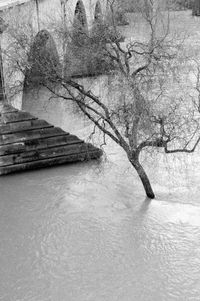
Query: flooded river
[85, 232]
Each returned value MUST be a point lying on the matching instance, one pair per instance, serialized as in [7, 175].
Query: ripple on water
[85, 231]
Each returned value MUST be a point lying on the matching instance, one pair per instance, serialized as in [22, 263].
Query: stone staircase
[27, 142]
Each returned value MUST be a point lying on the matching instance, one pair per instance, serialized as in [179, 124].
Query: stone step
[32, 134]
[27, 125]
[42, 154]
[15, 117]
[27, 142]
[92, 154]
[40, 143]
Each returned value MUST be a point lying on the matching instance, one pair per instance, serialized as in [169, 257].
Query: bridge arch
[88, 6]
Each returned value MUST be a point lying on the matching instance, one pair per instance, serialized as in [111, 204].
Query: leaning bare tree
[149, 110]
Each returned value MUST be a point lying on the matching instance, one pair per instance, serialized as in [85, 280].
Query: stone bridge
[42, 15]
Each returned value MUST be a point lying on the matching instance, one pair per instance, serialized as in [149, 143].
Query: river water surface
[85, 232]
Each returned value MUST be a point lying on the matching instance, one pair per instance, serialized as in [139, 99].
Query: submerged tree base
[144, 179]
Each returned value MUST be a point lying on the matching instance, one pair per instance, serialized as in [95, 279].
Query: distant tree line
[180, 4]
[132, 5]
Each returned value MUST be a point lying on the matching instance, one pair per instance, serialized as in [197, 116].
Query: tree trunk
[144, 178]
[196, 8]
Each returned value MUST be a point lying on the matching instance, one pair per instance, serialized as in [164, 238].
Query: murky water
[86, 232]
